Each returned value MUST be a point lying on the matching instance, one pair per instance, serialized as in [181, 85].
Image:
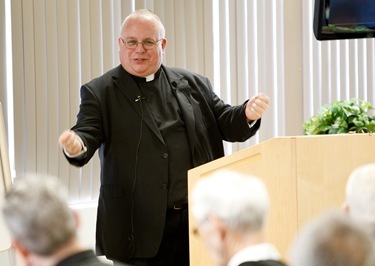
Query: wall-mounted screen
[344, 19]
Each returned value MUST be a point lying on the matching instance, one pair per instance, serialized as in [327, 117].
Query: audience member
[42, 225]
[360, 196]
[332, 239]
[230, 210]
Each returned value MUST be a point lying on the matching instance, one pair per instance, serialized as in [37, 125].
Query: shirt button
[165, 155]
[164, 186]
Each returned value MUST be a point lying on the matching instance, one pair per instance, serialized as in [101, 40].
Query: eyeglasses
[146, 44]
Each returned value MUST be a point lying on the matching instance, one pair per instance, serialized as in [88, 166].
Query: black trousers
[174, 247]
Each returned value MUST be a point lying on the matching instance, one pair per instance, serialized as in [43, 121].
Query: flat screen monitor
[344, 19]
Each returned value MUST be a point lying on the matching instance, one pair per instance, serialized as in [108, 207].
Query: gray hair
[240, 201]
[333, 239]
[360, 194]
[146, 14]
[37, 214]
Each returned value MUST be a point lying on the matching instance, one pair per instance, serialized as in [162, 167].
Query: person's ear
[76, 218]
[120, 41]
[163, 44]
[20, 249]
[345, 207]
[219, 226]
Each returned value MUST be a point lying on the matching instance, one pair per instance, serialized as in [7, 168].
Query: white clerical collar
[150, 77]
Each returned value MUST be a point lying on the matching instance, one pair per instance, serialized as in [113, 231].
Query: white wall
[7, 258]
[86, 231]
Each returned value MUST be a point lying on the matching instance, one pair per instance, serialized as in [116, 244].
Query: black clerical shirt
[161, 101]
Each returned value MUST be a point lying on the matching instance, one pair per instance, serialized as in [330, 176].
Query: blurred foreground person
[42, 225]
[360, 196]
[230, 210]
[333, 239]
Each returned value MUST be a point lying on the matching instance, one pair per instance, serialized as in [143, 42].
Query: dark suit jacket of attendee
[263, 263]
[84, 258]
[134, 157]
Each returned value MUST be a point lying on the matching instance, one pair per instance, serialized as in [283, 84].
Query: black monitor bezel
[319, 10]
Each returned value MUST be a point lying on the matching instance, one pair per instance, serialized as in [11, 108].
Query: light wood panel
[305, 175]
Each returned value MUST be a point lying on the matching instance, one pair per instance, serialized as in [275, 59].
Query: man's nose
[140, 46]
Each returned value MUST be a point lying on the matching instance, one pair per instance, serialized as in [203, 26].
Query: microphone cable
[138, 99]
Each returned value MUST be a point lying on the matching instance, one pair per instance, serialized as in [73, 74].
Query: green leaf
[341, 117]
[371, 127]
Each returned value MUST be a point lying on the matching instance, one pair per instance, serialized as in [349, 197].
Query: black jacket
[110, 119]
[263, 263]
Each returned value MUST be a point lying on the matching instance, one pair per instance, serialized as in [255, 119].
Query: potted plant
[342, 117]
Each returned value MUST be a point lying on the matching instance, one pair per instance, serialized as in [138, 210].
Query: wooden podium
[305, 176]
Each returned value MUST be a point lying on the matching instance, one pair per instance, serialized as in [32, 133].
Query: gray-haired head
[240, 201]
[360, 195]
[37, 214]
[333, 239]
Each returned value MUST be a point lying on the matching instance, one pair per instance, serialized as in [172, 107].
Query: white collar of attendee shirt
[263, 251]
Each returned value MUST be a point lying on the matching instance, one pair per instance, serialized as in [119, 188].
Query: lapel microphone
[139, 98]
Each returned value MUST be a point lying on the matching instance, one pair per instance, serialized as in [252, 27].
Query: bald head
[144, 15]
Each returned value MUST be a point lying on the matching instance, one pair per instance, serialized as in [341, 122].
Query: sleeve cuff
[82, 152]
[252, 123]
